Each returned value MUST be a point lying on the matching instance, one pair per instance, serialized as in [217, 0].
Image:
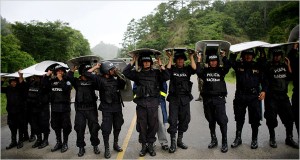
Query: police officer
[60, 92]
[249, 78]
[15, 109]
[38, 102]
[179, 96]
[147, 98]
[214, 93]
[277, 101]
[86, 108]
[163, 117]
[294, 58]
[111, 103]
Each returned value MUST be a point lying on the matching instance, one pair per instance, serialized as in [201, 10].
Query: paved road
[197, 138]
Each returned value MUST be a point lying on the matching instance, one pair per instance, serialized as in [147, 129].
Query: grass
[3, 104]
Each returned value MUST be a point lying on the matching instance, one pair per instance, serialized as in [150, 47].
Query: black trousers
[28, 120]
[179, 117]
[240, 104]
[15, 122]
[295, 107]
[61, 121]
[215, 110]
[278, 104]
[40, 120]
[111, 120]
[91, 118]
[147, 123]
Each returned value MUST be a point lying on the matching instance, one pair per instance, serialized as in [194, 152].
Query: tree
[50, 40]
[5, 27]
[12, 58]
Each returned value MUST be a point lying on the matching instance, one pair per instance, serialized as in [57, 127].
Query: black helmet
[179, 53]
[145, 58]
[13, 79]
[248, 51]
[276, 51]
[83, 68]
[59, 67]
[106, 66]
[213, 57]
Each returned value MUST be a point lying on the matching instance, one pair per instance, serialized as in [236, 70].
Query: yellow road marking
[127, 138]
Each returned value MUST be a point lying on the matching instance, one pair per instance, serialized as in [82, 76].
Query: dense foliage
[182, 23]
[23, 44]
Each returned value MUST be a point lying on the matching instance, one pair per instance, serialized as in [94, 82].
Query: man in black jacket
[147, 81]
[179, 96]
[86, 108]
[60, 92]
[111, 103]
[15, 109]
[277, 101]
[249, 79]
[214, 93]
[38, 104]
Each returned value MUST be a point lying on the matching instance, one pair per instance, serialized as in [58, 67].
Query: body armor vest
[214, 83]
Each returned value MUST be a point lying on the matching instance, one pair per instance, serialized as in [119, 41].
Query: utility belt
[247, 91]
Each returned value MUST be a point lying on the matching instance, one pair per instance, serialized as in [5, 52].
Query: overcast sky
[97, 20]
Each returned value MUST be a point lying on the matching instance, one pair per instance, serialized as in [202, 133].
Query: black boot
[143, 150]
[238, 139]
[254, 144]
[172, 148]
[290, 142]
[96, 150]
[44, 142]
[151, 149]
[116, 146]
[25, 136]
[20, 143]
[81, 151]
[58, 144]
[13, 141]
[272, 141]
[179, 141]
[214, 141]
[65, 147]
[224, 147]
[32, 138]
[38, 141]
[106, 146]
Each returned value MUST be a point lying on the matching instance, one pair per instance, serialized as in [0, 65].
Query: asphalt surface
[197, 138]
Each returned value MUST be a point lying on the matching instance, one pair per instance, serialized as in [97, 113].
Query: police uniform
[111, 105]
[214, 93]
[15, 111]
[60, 99]
[179, 98]
[249, 80]
[147, 100]
[277, 101]
[86, 110]
[163, 117]
[294, 59]
[38, 101]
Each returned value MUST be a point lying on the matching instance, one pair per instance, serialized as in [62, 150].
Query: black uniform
[60, 98]
[277, 100]
[15, 112]
[179, 98]
[250, 81]
[214, 92]
[86, 110]
[294, 59]
[38, 104]
[111, 105]
[147, 100]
